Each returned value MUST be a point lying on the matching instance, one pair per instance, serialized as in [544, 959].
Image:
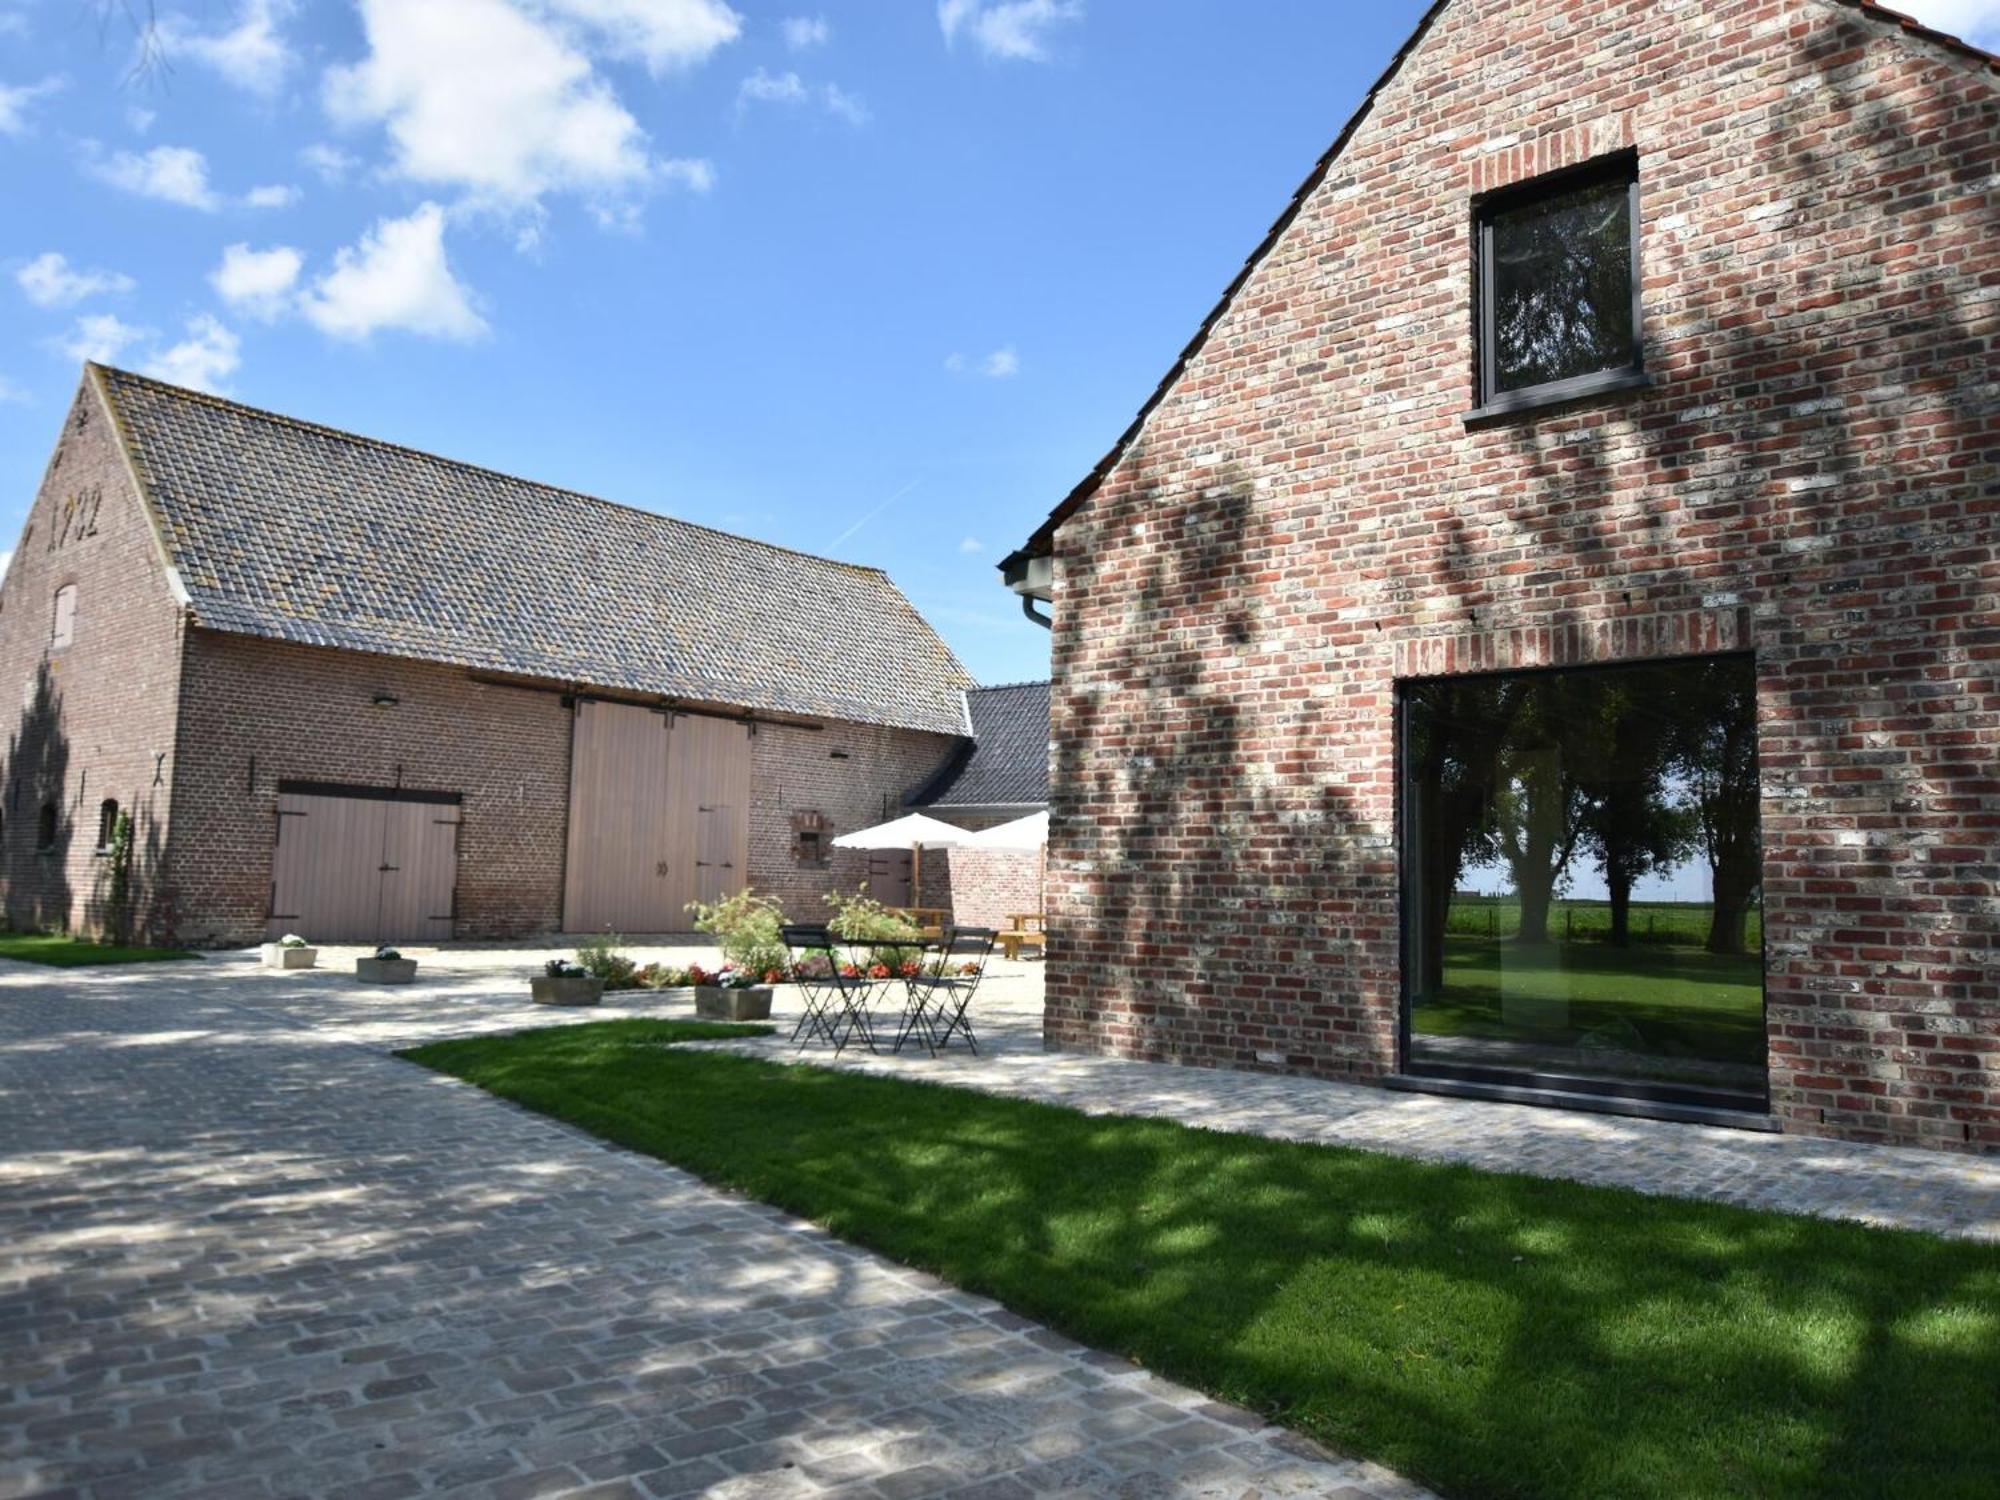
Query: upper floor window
[1559, 286]
[62, 627]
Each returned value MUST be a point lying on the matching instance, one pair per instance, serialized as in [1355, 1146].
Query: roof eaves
[1042, 542]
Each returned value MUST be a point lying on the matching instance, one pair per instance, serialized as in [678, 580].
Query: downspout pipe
[1033, 578]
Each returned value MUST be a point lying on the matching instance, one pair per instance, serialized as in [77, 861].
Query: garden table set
[933, 975]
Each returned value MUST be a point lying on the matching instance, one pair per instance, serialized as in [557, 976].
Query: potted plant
[564, 983]
[733, 994]
[290, 952]
[386, 967]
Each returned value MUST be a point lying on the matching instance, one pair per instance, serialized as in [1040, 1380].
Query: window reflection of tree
[1562, 278]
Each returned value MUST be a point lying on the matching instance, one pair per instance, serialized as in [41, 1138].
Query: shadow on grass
[1487, 1334]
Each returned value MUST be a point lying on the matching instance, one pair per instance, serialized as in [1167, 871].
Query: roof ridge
[346, 434]
[991, 687]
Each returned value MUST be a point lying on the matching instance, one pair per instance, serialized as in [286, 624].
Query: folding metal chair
[821, 994]
[836, 1006]
[939, 1010]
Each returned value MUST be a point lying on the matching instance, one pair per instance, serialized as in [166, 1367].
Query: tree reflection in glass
[1562, 285]
[1582, 851]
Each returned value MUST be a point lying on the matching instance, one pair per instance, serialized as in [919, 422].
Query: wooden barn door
[619, 875]
[364, 864]
[709, 831]
[889, 877]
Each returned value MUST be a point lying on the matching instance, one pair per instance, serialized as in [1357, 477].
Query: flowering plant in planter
[290, 952]
[562, 968]
[386, 967]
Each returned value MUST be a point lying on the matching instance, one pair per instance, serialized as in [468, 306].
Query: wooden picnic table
[1025, 929]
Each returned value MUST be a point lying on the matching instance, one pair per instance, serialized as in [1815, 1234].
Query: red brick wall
[851, 774]
[86, 722]
[1815, 475]
[307, 713]
[990, 885]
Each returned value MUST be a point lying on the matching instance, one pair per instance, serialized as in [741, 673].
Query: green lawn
[71, 953]
[1473, 915]
[1666, 1000]
[1489, 1335]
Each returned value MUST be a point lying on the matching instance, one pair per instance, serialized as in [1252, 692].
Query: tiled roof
[284, 529]
[1007, 762]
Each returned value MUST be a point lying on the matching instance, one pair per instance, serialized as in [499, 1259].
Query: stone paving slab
[241, 1255]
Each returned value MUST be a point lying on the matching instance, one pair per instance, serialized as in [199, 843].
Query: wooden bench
[1026, 929]
[931, 921]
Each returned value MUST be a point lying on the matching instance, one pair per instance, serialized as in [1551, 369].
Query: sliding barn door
[619, 875]
[364, 865]
[709, 837]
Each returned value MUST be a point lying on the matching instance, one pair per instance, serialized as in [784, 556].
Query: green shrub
[745, 926]
[861, 918]
[601, 959]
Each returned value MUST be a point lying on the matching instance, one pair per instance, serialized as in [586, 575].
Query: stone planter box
[278, 956]
[385, 970]
[713, 1003]
[549, 989]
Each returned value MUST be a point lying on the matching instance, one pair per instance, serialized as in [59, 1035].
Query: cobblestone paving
[241, 1255]
[1948, 1193]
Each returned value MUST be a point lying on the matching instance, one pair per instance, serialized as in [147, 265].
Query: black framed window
[48, 824]
[1582, 874]
[1559, 286]
[107, 824]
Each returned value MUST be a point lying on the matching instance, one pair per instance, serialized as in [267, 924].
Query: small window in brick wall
[809, 839]
[1559, 286]
[107, 824]
[62, 625]
[46, 826]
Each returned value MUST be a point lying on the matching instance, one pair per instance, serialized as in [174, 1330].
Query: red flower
[878, 971]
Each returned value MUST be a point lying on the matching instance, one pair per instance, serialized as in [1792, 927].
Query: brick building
[1542, 639]
[1000, 774]
[364, 693]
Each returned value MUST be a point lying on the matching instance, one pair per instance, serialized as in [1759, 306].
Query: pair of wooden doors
[659, 816]
[364, 864]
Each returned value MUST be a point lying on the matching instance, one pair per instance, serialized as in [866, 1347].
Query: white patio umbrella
[913, 832]
[1031, 832]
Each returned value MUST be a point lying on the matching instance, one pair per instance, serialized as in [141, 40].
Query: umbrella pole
[916, 874]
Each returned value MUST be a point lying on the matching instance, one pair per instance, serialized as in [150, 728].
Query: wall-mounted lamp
[385, 700]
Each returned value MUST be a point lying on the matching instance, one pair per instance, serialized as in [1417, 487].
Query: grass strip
[1488, 1334]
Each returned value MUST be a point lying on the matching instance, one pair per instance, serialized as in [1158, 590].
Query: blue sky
[878, 280]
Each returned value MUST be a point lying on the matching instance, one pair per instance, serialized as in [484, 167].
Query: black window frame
[1494, 402]
[48, 828]
[107, 824]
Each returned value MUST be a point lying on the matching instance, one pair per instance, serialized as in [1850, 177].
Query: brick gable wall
[1814, 476]
[93, 720]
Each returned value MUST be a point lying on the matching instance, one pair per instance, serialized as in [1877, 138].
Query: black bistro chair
[836, 1005]
[938, 1002]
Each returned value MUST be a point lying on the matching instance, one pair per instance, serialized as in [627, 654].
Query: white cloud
[1975, 20]
[251, 54]
[972, 544]
[50, 281]
[275, 195]
[803, 32]
[17, 98]
[258, 282]
[771, 88]
[477, 95]
[1015, 29]
[999, 365]
[141, 120]
[10, 395]
[690, 172]
[843, 104]
[787, 88]
[330, 162]
[172, 174]
[99, 336]
[204, 359]
[6, 561]
[397, 277]
[664, 34]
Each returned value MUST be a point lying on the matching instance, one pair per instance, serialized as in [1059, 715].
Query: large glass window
[1559, 264]
[1581, 857]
